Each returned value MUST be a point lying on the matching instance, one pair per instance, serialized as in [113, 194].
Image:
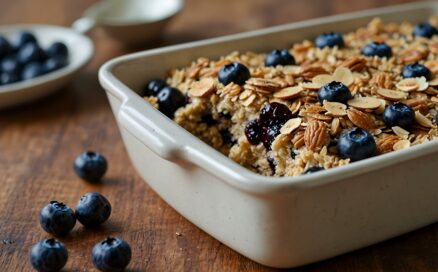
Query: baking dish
[279, 222]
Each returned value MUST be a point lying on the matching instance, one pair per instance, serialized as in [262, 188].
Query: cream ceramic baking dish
[280, 222]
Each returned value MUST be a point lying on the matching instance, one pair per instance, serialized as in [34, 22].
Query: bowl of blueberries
[37, 60]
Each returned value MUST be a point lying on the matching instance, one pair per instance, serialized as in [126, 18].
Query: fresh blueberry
[93, 209]
[279, 57]
[10, 65]
[57, 49]
[356, 144]
[399, 114]
[416, 70]
[5, 47]
[153, 87]
[274, 113]
[57, 218]
[334, 92]
[23, 38]
[169, 100]
[54, 63]
[111, 255]
[330, 39]
[48, 255]
[8, 78]
[424, 30]
[233, 72]
[30, 52]
[32, 70]
[254, 131]
[90, 166]
[313, 169]
[377, 49]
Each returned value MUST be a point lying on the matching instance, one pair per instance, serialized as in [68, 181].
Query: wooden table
[38, 143]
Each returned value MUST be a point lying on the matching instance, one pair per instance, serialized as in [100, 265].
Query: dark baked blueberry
[274, 113]
[23, 38]
[356, 144]
[8, 78]
[269, 134]
[57, 49]
[254, 131]
[32, 70]
[153, 87]
[424, 30]
[330, 39]
[377, 49]
[334, 92]
[313, 169]
[57, 218]
[208, 120]
[30, 52]
[416, 70]
[169, 100]
[399, 114]
[271, 162]
[10, 65]
[55, 63]
[93, 209]
[227, 137]
[233, 72]
[111, 254]
[90, 166]
[279, 57]
[5, 47]
[48, 255]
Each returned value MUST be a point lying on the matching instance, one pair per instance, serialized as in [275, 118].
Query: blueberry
[377, 49]
[93, 209]
[30, 52]
[424, 30]
[111, 254]
[416, 70]
[5, 47]
[48, 255]
[57, 49]
[23, 38]
[10, 65]
[269, 134]
[8, 78]
[334, 92]
[254, 131]
[227, 137]
[271, 162]
[356, 144]
[54, 63]
[56, 218]
[153, 87]
[275, 113]
[330, 39]
[169, 100]
[279, 57]
[399, 114]
[90, 166]
[313, 169]
[208, 120]
[32, 70]
[233, 72]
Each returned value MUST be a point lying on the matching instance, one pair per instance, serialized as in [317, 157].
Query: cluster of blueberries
[93, 209]
[23, 58]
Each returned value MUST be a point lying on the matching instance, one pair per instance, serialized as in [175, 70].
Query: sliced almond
[434, 82]
[421, 83]
[295, 107]
[292, 69]
[290, 126]
[321, 80]
[400, 132]
[391, 94]
[407, 85]
[335, 126]
[335, 108]
[311, 85]
[249, 100]
[364, 103]
[343, 75]
[289, 92]
[423, 120]
[203, 88]
[381, 108]
[403, 144]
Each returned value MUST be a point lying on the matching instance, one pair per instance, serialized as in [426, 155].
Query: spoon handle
[84, 25]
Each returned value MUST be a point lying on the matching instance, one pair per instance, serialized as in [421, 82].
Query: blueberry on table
[5, 47]
[254, 131]
[153, 87]
[356, 144]
[279, 57]
[57, 49]
[424, 30]
[57, 218]
[416, 70]
[334, 92]
[330, 39]
[23, 38]
[233, 72]
[377, 49]
[55, 63]
[30, 52]
[32, 70]
[8, 78]
[275, 113]
[48, 255]
[399, 114]
[10, 65]
[313, 169]
[90, 166]
[93, 209]
[112, 254]
[170, 100]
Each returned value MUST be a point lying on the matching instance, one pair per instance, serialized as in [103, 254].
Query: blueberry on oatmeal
[279, 57]
[334, 92]
[381, 50]
[330, 39]
[356, 144]
[233, 72]
[169, 100]
[254, 131]
[425, 30]
[153, 87]
[416, 70]
[274, 113]
[313, 169]
[399, 114]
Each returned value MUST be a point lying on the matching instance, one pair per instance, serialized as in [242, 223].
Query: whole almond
[203, 88]
[360, 119]
[316, 135]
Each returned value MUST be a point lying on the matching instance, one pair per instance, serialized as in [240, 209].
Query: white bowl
[281, 222]
[80, 48]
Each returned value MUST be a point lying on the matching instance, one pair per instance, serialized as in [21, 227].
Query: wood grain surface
[39, 141]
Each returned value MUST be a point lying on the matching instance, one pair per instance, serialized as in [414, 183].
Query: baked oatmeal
[315, 105]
